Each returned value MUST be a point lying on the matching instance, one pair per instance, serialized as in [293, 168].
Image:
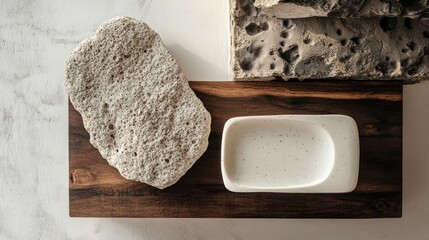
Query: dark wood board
[98, 190]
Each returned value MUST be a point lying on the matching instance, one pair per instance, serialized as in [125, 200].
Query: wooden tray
[97, 189]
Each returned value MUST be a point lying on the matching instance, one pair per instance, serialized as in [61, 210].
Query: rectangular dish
[290, 153]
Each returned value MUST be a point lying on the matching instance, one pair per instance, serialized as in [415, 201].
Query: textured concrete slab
[265, 47]
[344, 8]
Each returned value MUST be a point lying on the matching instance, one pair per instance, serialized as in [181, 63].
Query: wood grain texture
[97, 189]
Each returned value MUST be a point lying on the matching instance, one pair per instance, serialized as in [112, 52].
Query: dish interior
[278, 153]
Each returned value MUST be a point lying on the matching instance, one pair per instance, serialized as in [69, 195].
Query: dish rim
[342, 178]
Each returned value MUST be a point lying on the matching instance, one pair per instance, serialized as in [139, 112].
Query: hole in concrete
[412, 45]
[110, 126]
[306, 41]
[264, 26]
[405, 50]
[356, 40]
[253, 29]
[248, 8]
[408, 23]
[412, 71]
[381, 67]
[286, 69]
[284, 34]
[291, 54]
[255, 51]
[385, 67]
[339, 32]
[388, 23]
[344, 42]
[287, 23]
[426, 34]
[282, 43]
[272, 66]
[246, 65]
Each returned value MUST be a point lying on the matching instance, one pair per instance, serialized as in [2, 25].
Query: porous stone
[136, 104]
[343, 8]
[265, 47]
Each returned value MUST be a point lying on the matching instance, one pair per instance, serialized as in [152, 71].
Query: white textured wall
[35, 39]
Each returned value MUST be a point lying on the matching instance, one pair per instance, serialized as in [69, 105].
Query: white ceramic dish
[290, 153]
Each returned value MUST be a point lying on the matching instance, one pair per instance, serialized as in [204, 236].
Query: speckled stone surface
[265, 47]
[136, 104]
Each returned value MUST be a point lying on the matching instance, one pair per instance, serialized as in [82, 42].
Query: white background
[36, 37]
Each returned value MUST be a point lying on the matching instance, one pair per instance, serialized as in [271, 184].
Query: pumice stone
[136, 103]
